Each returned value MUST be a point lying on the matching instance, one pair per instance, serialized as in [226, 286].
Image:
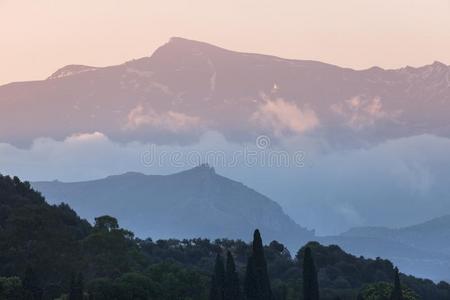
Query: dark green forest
[49, 252]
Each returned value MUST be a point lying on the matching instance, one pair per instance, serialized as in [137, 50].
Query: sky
[38, 37]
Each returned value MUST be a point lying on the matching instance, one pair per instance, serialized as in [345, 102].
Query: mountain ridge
[186, 41]
[431, 234]
[422, 249]
[202, 203]
[186, 88]
[161, 206]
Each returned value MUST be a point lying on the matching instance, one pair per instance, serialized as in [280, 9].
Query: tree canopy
[48, 252]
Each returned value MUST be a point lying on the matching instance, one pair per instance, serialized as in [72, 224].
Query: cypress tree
[80, 285]
[281, 292]
[218, 280]
[251, 287]
[232, 289]
[257, 277]
[32, 291]
[310, 282]
[76, 287]
[397, 291]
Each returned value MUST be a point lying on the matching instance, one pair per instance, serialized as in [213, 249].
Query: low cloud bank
[395, 183]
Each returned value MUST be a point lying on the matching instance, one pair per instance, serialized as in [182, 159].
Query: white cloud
[79, 156]
[338, 188]
[361, 112]
[86, 137]
[173, 121]
[285, 117]
[85, 156]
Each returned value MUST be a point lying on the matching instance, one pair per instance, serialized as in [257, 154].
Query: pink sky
[38, 37]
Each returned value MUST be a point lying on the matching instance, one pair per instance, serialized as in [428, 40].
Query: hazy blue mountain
[431, 235]
[425, 263]
[422, 249]
[200, 203]
[194, 203]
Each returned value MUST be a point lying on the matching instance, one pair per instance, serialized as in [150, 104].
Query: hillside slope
[194, 203]
[34, 233]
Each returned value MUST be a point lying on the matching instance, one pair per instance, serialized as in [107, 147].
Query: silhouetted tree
[11, 288]
[32, 290]
[277, 246]
[257, 278]
[280, 292]
[310, 282]
[218, 280]
[76, 287]
[251, 287]
[107, 223]
[232, 289]
[397, 291]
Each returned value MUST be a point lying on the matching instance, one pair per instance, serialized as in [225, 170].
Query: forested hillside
[48, 252]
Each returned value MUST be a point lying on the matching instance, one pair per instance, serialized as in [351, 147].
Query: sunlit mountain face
[374, 143]
[186, 88]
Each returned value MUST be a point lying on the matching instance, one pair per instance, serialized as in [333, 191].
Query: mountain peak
[70, 70]
[128, 174]
[177, 39]
[202, 169]
[439, 64]
[188, 42]
[177, 46]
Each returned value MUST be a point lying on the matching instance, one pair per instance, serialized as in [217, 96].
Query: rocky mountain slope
[187, 87]
[194, 203]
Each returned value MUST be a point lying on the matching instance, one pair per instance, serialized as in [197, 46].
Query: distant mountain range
[194, 203]
[422, 249]
[187, 87]
[200, 203]
[431, 235]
